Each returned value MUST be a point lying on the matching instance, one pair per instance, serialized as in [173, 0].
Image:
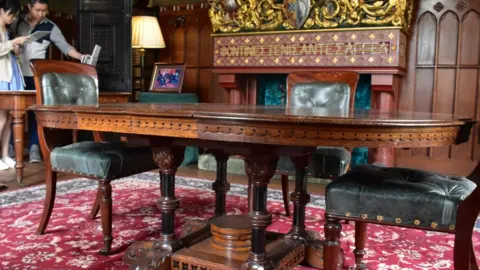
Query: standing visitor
[10, 74]
[36, 20]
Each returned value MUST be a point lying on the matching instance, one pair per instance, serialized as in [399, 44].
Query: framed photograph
[167, 77]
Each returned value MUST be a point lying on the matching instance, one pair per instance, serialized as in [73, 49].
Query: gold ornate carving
[337, 13]
[248, 15]
[262, 15]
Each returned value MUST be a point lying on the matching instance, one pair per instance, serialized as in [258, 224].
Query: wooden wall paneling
[427, 32]
[406, 95]
[469, 58]
[207, 84]
[178, 47]
[190, 80]
[465, 104]
[444, 100]
[165, 55]
[443, 77]
[193, 43]
[192, 54]
[443, 96]
[448, 36]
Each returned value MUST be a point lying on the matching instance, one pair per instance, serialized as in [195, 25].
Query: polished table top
[264, 124]
[267, 113]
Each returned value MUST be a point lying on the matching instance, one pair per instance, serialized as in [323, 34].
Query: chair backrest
[322, 89]
[63, 82]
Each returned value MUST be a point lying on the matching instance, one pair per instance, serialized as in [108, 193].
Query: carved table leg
[260, 170]
[300, 198]
[220, 186]
[18, 128]
[155, 254]
[168, 159]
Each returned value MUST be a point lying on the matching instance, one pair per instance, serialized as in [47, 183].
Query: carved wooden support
[300, 198]
[385, 90]
[18, 128]
[156, 254]
[106, 213]
[259, 169]
[220, 186]
[331, 246]
[147, 255]
[168, 158]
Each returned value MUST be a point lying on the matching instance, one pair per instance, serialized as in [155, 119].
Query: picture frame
[167, 78]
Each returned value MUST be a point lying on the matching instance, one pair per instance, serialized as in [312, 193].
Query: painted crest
[302, 10]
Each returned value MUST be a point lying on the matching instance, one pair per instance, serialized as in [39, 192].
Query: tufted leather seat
[108, 160]
[398, 195]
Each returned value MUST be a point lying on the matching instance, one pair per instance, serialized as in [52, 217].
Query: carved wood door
[443, 77]
[108, 24]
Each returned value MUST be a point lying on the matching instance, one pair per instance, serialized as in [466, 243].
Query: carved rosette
[260, 169]
[168, 158]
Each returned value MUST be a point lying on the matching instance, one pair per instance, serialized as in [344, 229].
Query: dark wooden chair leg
[51, 188]
[331, 247]
[105, 201]
[360, 238]
[473, 260]
[465, 222]
[96, 205]
[285, 190]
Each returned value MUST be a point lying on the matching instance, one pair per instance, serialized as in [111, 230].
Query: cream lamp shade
[146, 33]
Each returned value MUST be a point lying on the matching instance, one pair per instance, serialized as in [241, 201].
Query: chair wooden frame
[348, 77]
[50, 139]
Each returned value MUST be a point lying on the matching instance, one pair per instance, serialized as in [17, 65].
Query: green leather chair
[191, 153]
[61, 82]
[333, 90]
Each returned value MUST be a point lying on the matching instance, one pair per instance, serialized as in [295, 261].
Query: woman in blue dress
[10, 75]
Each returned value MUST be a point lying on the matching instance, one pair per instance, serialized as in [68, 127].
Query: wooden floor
[34, 175]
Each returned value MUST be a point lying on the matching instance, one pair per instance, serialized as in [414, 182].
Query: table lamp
[146, 34]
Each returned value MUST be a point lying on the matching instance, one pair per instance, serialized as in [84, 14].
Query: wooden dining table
[260, 134]
[18, 102]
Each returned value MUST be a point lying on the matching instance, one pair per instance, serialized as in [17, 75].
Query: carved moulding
[327, 133]
[229, 16]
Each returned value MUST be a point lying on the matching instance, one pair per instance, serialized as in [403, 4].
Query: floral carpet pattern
[72, 240]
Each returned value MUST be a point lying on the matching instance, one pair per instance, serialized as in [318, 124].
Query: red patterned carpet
[72, 240]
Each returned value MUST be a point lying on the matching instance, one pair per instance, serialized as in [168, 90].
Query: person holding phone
[36, 20]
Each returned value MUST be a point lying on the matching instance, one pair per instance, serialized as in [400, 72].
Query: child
[11, 77]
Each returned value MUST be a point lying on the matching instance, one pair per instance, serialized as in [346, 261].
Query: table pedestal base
[281, 253]
[195, 250]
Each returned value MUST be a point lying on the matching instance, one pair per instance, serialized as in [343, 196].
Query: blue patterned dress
[16, 82]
